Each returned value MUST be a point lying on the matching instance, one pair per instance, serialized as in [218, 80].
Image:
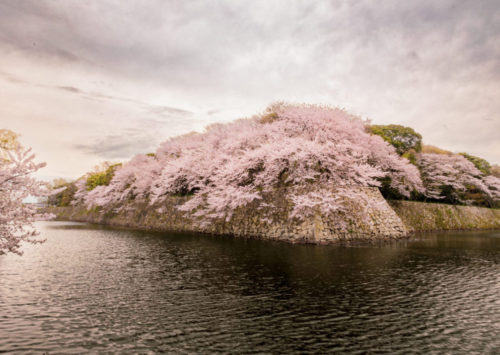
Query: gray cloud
[70, 89]
[166, 67]
[122, 146]
[199, 43]
[158, 110]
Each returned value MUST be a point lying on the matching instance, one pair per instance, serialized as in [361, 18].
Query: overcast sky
[88, 81]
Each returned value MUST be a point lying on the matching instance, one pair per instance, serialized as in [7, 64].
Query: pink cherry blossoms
[453, 175]
[231, 165]
[16, 184]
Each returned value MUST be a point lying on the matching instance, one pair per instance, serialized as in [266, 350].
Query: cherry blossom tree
[16, 184]
[130, 182]
[288, 146]
[493, 184]
[451, 176]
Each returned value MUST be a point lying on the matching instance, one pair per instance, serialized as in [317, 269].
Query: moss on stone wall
[420, 216]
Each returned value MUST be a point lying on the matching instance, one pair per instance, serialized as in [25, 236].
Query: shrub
[101, 178]
[402, 138]
[64, 197]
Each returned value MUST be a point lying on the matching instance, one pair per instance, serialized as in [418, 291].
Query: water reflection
[91, 288]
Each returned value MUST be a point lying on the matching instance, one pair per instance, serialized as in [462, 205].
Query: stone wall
[370, 217]
[360, 221]
[420, 216]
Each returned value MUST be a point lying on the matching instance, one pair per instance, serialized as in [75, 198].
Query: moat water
[95, 289]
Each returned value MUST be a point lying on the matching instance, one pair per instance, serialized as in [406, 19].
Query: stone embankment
[359, 221]
[370, 217]
[421, 216]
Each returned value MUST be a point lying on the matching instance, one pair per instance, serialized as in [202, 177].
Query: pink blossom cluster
[493, 184]
[231, 165]
[16, 184]
[453, 171]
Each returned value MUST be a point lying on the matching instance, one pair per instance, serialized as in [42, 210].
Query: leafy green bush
[101, 178]
[402, 138]
[411, 155]
[64, 197]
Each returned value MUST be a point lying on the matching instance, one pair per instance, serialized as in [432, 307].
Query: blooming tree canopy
[452, 176]
[16, 184]
[231, 165]
[493, 184]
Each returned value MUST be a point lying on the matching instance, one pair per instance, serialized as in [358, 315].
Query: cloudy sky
[88, 81]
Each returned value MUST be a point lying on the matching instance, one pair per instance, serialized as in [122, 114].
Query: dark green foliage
[404, 139]
[390, 193]
[182, 188]
[387, 191]
[411, 155]
[473, 196]
[481, 164]
[63, 198]
[102, 177]
[450, 195]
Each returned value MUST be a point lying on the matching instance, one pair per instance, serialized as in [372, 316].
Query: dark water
[91, 289]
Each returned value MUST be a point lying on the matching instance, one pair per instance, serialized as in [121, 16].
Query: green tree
[101, 177]
[64, 197]
[404, 139]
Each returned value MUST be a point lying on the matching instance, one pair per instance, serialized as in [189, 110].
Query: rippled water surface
[93, 289]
